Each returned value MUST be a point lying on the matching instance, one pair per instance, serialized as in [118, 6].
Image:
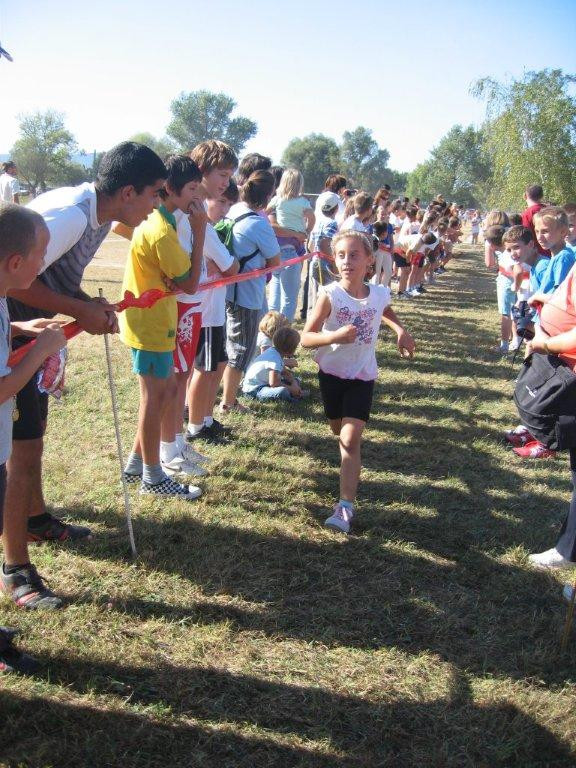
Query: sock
[152, 474]
[134, 464]
[180, 442]
[208, 421]
[503, 344]
[194, 428]
[168, 451]
[8, 569]
[347, 505]
[38, 521]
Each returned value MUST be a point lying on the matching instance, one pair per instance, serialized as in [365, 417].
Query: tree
[44, 151]
[365, 163]
[530, 134]
[458, 169]
[202, 115]
[316, 156]
[162, 147]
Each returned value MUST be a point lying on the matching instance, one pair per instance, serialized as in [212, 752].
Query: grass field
[248, 636]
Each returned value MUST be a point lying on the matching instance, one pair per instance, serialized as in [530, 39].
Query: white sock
[208, 421]
[180, 441]
[169, 451]
[194, 428]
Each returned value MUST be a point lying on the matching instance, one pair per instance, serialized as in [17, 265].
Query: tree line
[528, 136]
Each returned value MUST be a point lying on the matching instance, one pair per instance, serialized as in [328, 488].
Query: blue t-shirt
[257, 373]
[555, 270]
[253, 232]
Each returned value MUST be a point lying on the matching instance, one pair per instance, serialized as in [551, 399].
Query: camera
[523, 316]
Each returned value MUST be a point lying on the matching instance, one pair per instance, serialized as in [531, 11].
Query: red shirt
[527, 217]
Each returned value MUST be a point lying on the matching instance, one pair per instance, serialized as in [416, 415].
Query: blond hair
[213, 154]
[291, 184]
[352, 234]
[497, 219]
[553, 213]
[272, 322]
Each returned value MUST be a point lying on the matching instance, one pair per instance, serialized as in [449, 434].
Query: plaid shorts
[241, 335]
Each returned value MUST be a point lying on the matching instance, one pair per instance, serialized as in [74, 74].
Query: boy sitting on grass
[264, 377]
[156, 254]
[23, 240]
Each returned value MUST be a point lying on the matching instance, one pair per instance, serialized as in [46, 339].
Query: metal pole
[127, 508]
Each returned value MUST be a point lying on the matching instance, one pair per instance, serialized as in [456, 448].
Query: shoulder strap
[245, 259]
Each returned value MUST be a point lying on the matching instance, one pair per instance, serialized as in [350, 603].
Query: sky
[402, 70]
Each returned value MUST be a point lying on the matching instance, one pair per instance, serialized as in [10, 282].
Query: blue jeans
[272, 393]
[285, 285]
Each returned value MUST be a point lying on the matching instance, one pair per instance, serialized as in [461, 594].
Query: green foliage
[44, 151]
[202, 115]
[458, 169]
[364, 162]
[530, 135]
[316, 156]
[163, 146]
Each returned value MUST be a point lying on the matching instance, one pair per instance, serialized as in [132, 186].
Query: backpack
[225, 230]
[545, 396]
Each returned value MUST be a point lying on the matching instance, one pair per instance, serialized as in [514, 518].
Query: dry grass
[246, 635]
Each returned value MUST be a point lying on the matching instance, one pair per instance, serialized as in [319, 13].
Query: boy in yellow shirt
[156, 254]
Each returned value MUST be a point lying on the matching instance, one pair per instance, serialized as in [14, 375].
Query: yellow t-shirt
[154, 251]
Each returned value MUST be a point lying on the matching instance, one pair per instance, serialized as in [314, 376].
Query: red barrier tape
[149, 298]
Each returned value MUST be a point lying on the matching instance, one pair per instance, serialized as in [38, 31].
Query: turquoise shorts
[158, 364]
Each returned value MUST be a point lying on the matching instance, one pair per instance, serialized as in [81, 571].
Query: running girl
[344, 328]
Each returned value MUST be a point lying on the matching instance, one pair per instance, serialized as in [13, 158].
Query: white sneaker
[181, 466]
[340, 519]
[189, 454]
[514, 345]
[549, 559]
[415, 292]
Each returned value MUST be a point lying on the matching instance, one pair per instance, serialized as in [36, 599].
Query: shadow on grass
[354, 731]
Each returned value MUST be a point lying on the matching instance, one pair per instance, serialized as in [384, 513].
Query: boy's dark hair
[515, 219]
[213, 154]
[257, 189]
[570, 208]
[494, 235]
[362, 202]
[535, 192]
[411, 212]
[380, 229]
[277, 171]
[181, 170]
[18, 227]
[518, 234]
[429, 238]
[231, 193]
[250, 164]
[453, 222]
[286, 340]
[129, 165]
[335, 182]
[8, 165]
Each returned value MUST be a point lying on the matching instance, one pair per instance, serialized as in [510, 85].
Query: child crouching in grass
[267, 377]
[344, 328]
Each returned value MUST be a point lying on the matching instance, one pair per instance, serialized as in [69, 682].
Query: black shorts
[400, 261]
[211, 349]
[32, 407]
[345, 398]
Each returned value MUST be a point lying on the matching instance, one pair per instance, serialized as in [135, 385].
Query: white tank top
[356, 360]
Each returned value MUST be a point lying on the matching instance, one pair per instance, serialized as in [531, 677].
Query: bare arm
[405, 341]
[198, 219]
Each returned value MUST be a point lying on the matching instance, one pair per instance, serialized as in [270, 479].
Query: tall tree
[316, 156]
[44, 151]
[163, 146]
[365, 163]
[458, 168]
[531, 135]
[202, 115]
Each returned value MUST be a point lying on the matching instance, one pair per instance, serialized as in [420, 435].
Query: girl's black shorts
[346, 398]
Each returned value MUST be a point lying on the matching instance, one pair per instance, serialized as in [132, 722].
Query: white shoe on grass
[180, 466]
[549, 559]
[340, 519]
[193, 456]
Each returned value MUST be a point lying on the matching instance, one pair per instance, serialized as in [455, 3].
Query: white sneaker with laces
[549, 559]
[189, 454]
[181, 466]
[340, 519]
